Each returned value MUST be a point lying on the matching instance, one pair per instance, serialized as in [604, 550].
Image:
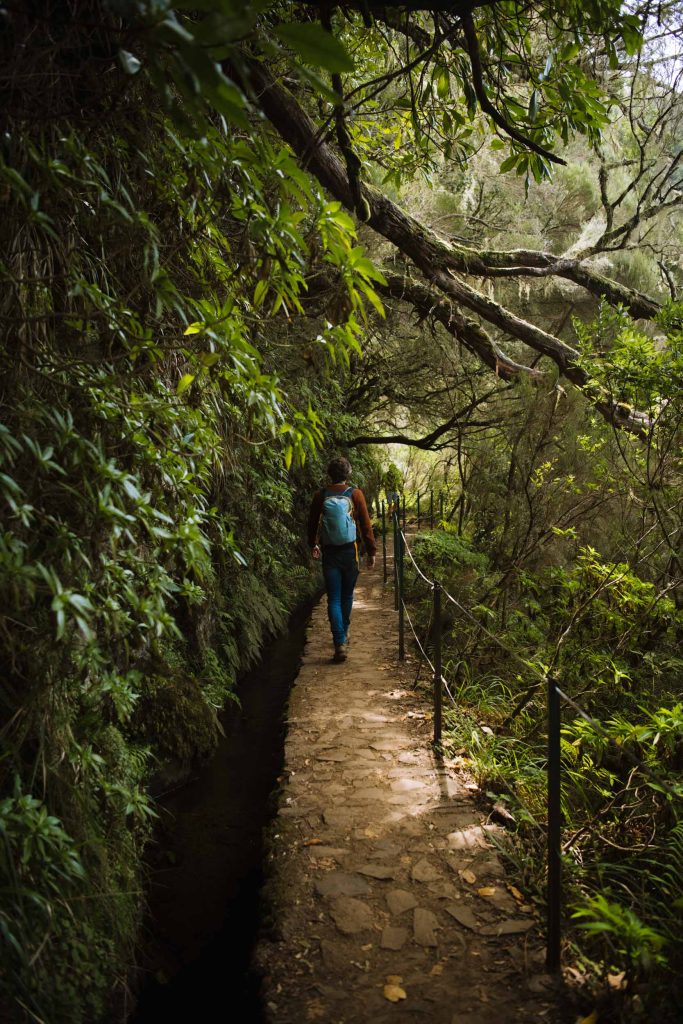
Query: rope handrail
[541, 677]
[555, 697]
[430, 583]
[508, 650]
[504, 647]
[417, 640]
[453, 701]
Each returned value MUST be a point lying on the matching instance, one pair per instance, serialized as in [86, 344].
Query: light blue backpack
[338, 525]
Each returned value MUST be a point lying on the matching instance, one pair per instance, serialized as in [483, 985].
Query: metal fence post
[384, 541]
[418, 510]
[401, 599]
[395, 521]
[436, 618]
[554, 895]
[431, 510]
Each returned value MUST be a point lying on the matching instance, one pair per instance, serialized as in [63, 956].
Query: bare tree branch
[472, 43]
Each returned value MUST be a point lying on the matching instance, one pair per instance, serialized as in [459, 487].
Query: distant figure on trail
[393, 501]
[338, 514]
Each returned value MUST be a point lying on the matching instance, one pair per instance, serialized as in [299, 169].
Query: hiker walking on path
[338, 516]
[393, 501]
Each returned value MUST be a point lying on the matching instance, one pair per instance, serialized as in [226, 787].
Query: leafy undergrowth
[613, 643]
[161, 433]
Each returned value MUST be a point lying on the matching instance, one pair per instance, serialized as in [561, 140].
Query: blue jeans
[340, 569]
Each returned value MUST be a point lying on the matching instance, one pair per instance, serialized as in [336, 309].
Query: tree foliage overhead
[547, 74]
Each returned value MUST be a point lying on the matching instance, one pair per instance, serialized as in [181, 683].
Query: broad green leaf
[631, 34]
[209, 358]
[315, 46]
[509, 163]
[184, 383]
[260, 292]
[533, 106]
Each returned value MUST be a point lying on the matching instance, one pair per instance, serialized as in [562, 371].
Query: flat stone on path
[407, 785]
[351, 915]
[377, 871]
[386, 848]
[423, 871]
[425, 924]
[464, 916]
[384, 745]
[343, 817]
[336, 852]
[394, 937]
[339, 883]
[370, 795]
[398, 901]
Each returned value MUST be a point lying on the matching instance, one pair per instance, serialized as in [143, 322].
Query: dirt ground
[388, 901]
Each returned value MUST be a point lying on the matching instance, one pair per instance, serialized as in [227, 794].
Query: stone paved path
[383, 882]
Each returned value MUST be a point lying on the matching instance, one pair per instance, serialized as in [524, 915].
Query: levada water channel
[207, 864]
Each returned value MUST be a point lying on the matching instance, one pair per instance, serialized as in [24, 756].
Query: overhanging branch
[472, 335]
[435, 257]
[472, 43]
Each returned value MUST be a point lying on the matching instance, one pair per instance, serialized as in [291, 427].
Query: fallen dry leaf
[394, 993]
[486, 890]
[366, 947]
[312, 842]
[468, 876]
[436, 970]
[617, 980]
[394, 979]
[514, 891]
[590, 1019]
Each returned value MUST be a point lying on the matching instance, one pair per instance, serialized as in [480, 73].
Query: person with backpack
[338, 516]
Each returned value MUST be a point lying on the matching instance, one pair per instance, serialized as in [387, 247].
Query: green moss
[174, 716]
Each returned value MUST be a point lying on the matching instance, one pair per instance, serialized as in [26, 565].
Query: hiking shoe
[339, 653]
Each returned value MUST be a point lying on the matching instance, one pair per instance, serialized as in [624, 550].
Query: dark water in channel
[207, 867]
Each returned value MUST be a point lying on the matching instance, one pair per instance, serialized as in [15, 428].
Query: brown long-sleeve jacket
[360, 514]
